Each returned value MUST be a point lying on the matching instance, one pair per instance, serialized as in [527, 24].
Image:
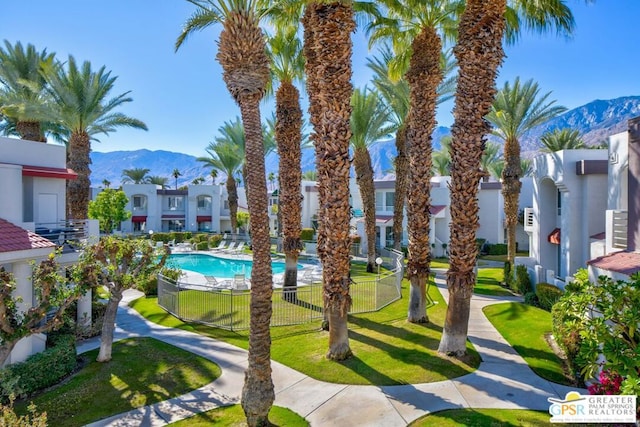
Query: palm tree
[561, 139]
[287, 66]
[135, 175]
[176, 173]
[106, 183]
[242, 55]
[441, 159]
[328, 49]
[23, 98]
[197, 181]
[417, 30]
[225, 155]
[517, 109]
[396, 96]
[492, 162]
[479, 54]
[214, 176]
[83, 109]
[162, 181]
[369, 123]
[310, 175]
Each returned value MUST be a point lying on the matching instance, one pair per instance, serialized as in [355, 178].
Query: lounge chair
[221, 246]
[211, 281]
[311, 275]
[229, 248]
[239, 248]
[240, 282]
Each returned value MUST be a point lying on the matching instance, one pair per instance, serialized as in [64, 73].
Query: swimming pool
[209, 265]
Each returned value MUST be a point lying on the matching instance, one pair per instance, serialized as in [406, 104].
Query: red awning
[554, 237]
[44, 172]
[203, 218]
[139, 218]
[436, 209]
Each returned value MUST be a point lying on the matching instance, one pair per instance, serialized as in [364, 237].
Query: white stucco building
[33, 221]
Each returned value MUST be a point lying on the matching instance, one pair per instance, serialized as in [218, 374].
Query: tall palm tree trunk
[78, 189]
[258, 393]
[31, 131]
[289, 138]
[232, 192]
[244, 60]
[479, 54]
[511, 186]
[364, 178]
[424, 76]
[330, 42]
[402, 184]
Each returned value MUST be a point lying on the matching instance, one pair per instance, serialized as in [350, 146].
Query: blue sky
[183, 101]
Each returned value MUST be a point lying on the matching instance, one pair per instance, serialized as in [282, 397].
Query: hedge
[548, 295]
[307, 234]
[522, 283]
[39, 371]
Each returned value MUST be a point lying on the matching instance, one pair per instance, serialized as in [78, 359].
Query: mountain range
[595, 121]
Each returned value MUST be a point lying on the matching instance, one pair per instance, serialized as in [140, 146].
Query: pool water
[218, 267]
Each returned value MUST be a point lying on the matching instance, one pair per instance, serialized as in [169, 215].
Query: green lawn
[484, 418]
[143, 371]
[524, 327]
[387, 349]
[488, 282]
[233, 416]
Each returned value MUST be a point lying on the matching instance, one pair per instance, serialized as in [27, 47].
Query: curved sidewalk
[503, 380]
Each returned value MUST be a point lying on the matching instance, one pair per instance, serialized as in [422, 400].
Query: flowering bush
[608, 383]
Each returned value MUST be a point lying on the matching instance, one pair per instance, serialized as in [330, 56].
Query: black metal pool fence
[229, 308]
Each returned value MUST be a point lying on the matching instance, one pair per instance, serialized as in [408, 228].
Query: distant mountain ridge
[595, 121]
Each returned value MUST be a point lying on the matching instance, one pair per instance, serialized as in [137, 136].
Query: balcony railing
[64, 232]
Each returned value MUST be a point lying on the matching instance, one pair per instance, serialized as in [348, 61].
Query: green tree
[243, 219]
[176, 174]
[109, 209]
[135, 176]
[197, 181]
[606, 316]
[416, 31]
[83, 109]
[370, 121]
[441, 158]
[225, 155]
[118, 264]
[162, 181]
[23, 96]
[310, 175]
[245, 65]
[561, 139]
[479, 53]
[328, 49]
[53, 294]
[287, 67]
[492, 162]
[396, 95]
[517, 109]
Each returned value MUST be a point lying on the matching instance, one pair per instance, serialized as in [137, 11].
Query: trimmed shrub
[202, 246]
[215, 240]
[566, 331]
[530, 298]
[507, 276]
[548, 295]
[306, 234]
[522, 283]
[496, 249]
[39, 371]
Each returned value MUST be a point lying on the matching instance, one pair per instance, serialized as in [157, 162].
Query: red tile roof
[619, 262]
[14, 238]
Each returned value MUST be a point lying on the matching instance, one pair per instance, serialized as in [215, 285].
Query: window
[391, 199]
[138, 227]
[139, 203]
[204, 202]
[379, 200]
[559, 203]
[175, 203]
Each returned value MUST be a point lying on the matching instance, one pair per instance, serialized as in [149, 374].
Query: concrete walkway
[503, 380]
